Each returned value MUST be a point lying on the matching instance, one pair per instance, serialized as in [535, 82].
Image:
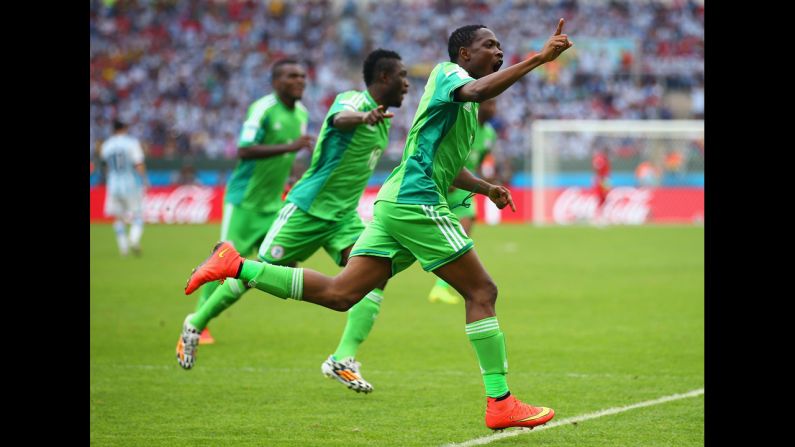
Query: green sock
[207, 291]
[489, 344]
[283, 282]
[442, 283]
[361, 318]
[224, 296]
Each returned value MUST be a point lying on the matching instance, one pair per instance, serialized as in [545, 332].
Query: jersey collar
[370, 99]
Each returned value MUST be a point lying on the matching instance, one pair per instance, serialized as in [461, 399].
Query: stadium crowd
[183, 72]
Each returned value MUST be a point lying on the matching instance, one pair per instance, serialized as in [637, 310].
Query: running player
[412, 220]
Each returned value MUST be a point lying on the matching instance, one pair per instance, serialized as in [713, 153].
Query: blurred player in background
[412, 221]
[274, 130]
[601, 168]
[458, 199]
[320, 210]
[123, 159]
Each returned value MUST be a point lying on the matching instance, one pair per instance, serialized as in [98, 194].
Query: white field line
[436, 372]
[573, 420]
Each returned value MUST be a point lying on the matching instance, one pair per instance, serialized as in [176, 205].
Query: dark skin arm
[264, 151]
[348, 120]
[492, 85]
[500, 195]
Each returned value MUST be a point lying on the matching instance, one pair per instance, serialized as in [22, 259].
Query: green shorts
[245, 229]
[456, 198]
[430, 234]
[296, 235]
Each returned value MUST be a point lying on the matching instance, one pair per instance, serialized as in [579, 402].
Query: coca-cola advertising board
[623, 205]
[626, 205]
[188, 204]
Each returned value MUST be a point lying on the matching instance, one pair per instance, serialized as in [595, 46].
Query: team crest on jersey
[277, 125]
[277, 251]
[468, 106]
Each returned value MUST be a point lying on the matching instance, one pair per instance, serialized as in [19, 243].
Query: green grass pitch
[594, 318]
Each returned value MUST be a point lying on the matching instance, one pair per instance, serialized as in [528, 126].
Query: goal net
[655, 173]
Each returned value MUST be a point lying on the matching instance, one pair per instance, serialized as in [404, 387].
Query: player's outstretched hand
[377, 115]
[556, 44]
[501, 197]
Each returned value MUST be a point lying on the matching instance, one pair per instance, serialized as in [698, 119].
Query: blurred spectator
[187, 176]
[183, 71]
[647, 174]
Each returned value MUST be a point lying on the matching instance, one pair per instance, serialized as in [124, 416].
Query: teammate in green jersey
[274, 130]
[458, 199]
[413, 222]
[320, 210]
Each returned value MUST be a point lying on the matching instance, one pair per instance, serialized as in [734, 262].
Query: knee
[343, 301]
[486, 293]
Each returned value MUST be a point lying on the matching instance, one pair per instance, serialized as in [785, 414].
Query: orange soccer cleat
[511, 412]
[205, 338]
[224, 262]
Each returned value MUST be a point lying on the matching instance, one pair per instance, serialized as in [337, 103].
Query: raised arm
[492, 85]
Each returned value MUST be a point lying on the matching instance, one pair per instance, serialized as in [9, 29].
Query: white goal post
[644, 140]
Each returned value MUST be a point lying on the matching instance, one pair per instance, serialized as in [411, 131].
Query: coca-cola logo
[185, 204]
[624, 205]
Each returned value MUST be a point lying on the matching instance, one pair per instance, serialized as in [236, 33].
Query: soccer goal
[655, 171]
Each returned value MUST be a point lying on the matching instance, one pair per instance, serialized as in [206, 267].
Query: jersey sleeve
[136, 152]
[348, 101]
[253, 128]
[448, 79]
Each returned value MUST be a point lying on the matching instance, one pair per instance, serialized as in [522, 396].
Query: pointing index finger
[560, 27]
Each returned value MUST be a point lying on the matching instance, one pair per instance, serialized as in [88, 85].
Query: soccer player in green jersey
[412, 221]
[273, 132]
[320, 210]
[457, 199]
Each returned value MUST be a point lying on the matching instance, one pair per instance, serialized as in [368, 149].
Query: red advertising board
[624, 205]
[170, 204]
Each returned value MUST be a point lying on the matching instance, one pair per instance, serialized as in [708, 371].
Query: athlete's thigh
[375, 241]
[136, 204]
[362, 274]
[466, 274]
[113, 206]
[430, 232]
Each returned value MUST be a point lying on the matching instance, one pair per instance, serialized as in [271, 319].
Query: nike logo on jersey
[221, 255]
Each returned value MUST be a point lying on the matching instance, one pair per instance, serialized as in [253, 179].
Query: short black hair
[462, 37]
[118, 125]
[377, 62]
[277, 66]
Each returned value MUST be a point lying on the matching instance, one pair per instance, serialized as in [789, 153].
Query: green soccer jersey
[485, 137]
[438, 143]
[343, 161]
[258, 184]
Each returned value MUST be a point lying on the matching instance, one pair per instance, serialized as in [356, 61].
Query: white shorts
[124, 206]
